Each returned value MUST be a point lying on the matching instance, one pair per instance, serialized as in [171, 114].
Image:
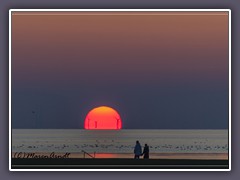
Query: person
[137, 150]
[146, 152]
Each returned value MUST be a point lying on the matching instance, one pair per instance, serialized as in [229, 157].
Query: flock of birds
[195, 147]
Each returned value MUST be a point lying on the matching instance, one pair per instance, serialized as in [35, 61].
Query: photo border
[123, 10]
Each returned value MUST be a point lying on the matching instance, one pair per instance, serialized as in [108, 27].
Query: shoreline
[80, 155]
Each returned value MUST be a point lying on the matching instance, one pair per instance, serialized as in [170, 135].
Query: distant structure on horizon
[103, 117]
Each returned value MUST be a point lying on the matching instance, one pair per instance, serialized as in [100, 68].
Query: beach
[73, 148]
[196, 156]
[163, 144]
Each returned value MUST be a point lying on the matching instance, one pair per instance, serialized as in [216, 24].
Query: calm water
[121, 141]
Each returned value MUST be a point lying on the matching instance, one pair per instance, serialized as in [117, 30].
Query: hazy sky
[159, 70]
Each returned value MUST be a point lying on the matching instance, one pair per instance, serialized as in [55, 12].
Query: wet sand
[196, 156]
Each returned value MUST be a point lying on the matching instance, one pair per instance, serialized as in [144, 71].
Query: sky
[158, 70]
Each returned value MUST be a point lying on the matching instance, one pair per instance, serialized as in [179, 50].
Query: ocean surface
[109, 142]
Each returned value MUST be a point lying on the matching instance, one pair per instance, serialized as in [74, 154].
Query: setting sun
[103, 118]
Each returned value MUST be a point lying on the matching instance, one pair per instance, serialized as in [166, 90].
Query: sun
[103, 117]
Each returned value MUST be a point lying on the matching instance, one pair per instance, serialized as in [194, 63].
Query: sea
[120, 143]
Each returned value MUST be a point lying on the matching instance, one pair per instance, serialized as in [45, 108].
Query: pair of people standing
[138, 151]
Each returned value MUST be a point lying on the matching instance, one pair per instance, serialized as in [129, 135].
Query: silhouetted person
[146, 152]
[137, 150]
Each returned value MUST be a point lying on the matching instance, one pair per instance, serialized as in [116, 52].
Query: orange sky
[131, 45]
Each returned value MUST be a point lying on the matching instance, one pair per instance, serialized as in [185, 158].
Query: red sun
[103, 117]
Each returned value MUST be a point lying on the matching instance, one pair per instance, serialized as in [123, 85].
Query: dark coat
[146, 152]
[138, 149]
